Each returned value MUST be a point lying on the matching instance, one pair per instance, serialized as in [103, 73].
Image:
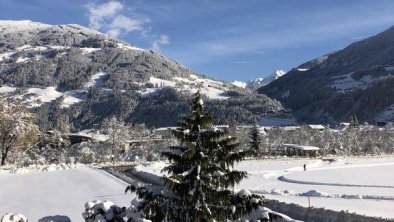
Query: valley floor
[63, 192]
[361, 185]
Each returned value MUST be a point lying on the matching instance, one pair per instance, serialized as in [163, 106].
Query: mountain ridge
[83, 76]
[356, 80]
[259, 82]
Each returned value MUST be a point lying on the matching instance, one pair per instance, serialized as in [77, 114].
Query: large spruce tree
[255, 139]
[200, 180]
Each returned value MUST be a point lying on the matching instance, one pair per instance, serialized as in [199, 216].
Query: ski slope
[63, 192]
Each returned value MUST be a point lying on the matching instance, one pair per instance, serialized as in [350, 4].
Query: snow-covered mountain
[95, 76]
[259, 82]
[254, 84]
[357, 80]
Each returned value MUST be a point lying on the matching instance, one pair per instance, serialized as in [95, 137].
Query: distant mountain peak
[262, 81]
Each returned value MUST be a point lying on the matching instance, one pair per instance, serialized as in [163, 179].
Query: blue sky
[224, 39]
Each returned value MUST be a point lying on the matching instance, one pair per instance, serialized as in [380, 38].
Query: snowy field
[59, 192]
[361, 185]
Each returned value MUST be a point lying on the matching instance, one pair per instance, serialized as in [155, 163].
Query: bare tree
[118, 133]
[17, 128]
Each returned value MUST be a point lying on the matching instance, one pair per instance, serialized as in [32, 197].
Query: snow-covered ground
[37, 96]
[361, 185]
[60, 192]
[364, 186]
[346, 82]
[386, 115]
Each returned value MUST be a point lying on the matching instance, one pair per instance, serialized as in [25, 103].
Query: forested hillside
[357, 80]
[70, 74]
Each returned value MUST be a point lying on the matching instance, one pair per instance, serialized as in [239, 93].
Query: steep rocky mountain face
[68, 73]
[357, 80]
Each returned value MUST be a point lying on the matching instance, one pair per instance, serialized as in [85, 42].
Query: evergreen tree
[200, 182]
[54, 147]
[353, 121]
[353, 135]
[255, 139]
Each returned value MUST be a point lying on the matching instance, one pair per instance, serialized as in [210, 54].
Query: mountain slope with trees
[357, 80]
[82, 76]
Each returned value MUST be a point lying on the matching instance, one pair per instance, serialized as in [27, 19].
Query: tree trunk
[3, 157]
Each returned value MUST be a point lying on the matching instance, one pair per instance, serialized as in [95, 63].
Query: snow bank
[315, 193]
[38, 168]
[318, 214]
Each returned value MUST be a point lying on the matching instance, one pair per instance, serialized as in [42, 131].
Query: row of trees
[355, 140]
[27, 139]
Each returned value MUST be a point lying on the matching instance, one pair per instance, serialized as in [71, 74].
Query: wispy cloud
[122, 25]
[162, 40]
[99, 14]
[113, 18]
[243, 62]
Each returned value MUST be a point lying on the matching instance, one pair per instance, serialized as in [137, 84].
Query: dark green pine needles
[201, 179]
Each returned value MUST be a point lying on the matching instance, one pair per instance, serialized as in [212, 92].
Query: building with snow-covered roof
[300, 150]
[316, 127]
[164, 132]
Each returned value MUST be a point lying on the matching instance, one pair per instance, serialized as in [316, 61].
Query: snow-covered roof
[166, 128]
[289, 128]
[301, 147]
[318, 127]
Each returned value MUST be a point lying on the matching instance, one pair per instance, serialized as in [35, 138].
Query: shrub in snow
[13, 218]
[56, 218]
[315, 193]
[103, 211]
[90, 152]
[106, 211]
[54, 146]
[200, 182]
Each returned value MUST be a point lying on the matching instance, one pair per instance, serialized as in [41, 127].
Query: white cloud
[122, 24]
[98, 13]
[162, 40]
[112, 18]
